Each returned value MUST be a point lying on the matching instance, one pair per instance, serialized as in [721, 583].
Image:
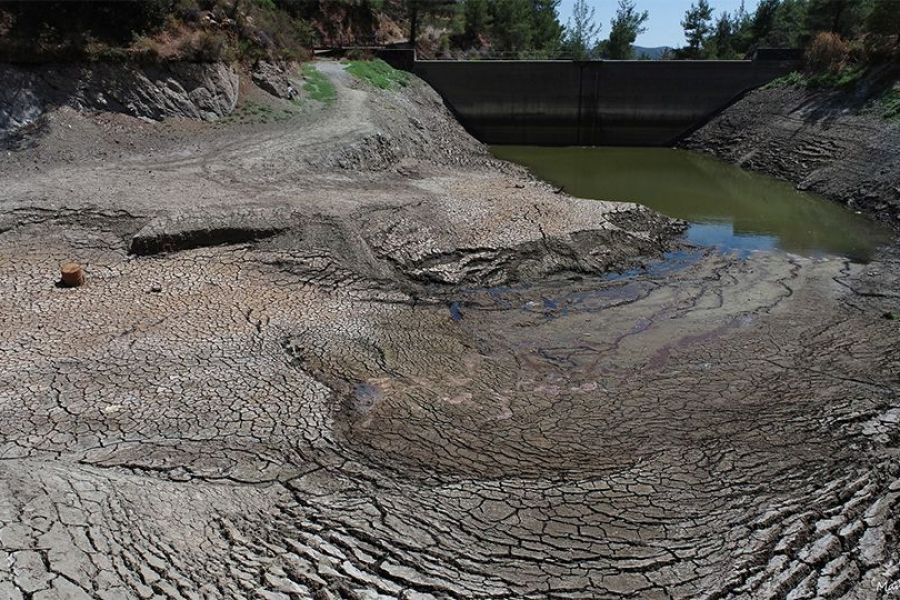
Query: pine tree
[511, 27]
[721, 45]
[476, 19]
[697, 26]
[547, 30]
[580, 37]
[625, 27]
[843, 17]
[789, 27]
[764, 19]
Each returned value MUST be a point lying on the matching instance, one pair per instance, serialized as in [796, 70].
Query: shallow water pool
[726, 206]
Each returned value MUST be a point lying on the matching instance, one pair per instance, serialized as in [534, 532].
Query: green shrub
[144, 47]
[318, 86]
[889, 104]
[378, 73]
[845, 78]
[792, 79]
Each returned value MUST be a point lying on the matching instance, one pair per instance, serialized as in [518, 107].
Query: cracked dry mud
[407, 376]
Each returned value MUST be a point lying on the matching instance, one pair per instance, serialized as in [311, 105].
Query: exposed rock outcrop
[194, 90]
[275, 79]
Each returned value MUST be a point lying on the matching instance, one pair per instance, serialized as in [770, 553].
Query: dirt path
[415, 380]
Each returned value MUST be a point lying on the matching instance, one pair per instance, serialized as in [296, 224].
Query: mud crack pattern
[419, 380]
[724, 430]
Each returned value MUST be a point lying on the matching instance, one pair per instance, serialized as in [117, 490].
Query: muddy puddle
[727, 207]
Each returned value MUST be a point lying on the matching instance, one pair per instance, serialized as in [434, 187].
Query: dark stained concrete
[564, 103]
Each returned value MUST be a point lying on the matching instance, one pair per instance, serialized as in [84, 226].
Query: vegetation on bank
[871, 28]
[889, 104]
[849, 45]
[191, 30]
[845, 79]
[864, 31]
[149, 30]
[378, 73]
[882, 89]
[867, 63]
[317, 86]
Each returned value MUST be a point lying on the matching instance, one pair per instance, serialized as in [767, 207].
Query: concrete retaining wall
[564, 103]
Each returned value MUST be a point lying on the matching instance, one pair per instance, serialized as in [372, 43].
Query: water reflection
[728, 207]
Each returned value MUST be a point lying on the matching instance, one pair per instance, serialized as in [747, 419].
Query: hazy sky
[664, 26]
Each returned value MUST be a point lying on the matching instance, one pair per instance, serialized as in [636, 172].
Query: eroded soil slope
[833, 143]
[348, 355]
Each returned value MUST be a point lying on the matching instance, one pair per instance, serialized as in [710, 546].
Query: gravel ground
[349, 355]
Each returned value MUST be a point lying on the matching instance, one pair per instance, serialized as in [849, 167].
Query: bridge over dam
[593, 103]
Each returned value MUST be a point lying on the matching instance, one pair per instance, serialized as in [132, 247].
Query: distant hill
[654, 53]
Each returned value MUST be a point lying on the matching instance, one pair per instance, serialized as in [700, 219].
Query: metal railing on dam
[592, 103]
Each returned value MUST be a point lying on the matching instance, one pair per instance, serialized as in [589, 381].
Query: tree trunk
[413, 22]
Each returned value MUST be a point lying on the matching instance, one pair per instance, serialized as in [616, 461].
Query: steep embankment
[834, 143]
[192, 90]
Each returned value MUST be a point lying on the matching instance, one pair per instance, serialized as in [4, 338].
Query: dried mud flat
[349, 355]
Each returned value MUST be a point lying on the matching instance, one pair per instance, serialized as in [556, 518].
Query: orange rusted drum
[72, 274]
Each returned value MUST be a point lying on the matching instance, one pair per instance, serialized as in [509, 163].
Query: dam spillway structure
[594, 103]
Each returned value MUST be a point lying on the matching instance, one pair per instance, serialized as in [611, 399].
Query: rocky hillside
[152, 31]
[841, 144]
[192, 90]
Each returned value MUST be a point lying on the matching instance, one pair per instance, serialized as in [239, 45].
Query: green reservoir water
[726, 206]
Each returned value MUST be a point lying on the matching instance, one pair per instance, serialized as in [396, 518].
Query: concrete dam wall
[566, 103]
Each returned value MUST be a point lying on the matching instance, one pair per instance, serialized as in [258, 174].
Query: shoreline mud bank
[833, 143]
